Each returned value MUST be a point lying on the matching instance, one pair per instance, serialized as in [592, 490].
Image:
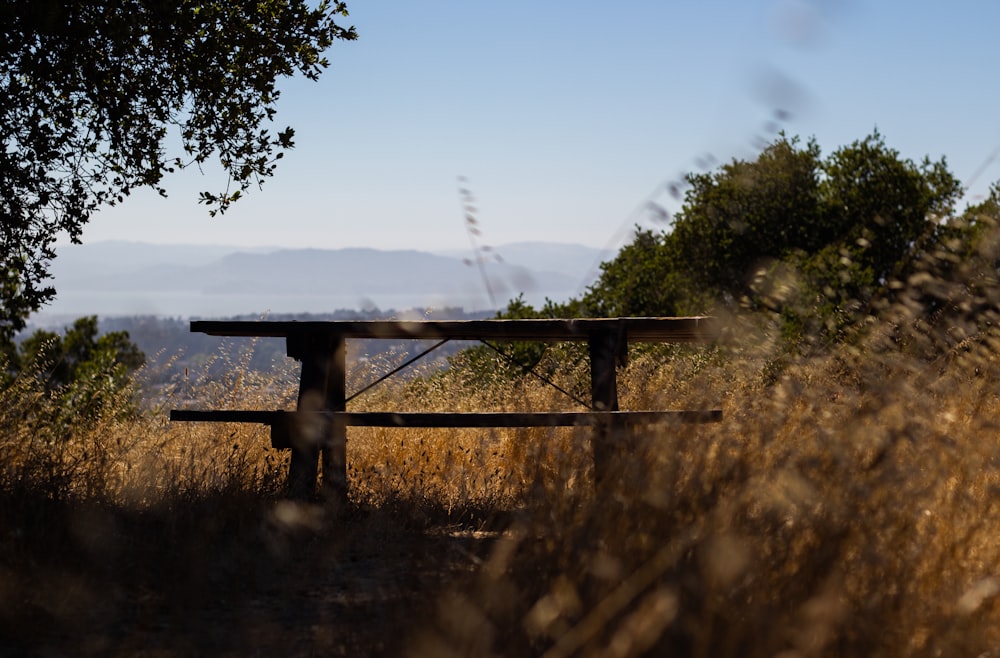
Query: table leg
[304, 463]
[335, 448]
[607, 349]
[321, 388]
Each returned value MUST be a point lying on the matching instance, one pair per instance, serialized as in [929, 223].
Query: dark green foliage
[734, 222]
[816, 243]
[641, 281]
[79, 352]
[91, 94]
[812, 239]
[746, 214]
[84, 369]
[971, 233]
[952, 279]
[880, 205]
[489, 363]
[487, 366]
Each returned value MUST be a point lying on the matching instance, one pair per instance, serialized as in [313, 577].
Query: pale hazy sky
[567, 116]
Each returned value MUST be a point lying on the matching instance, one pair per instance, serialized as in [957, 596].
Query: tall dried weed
[846, 505]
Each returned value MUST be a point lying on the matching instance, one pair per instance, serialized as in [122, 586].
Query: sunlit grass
[846, 505]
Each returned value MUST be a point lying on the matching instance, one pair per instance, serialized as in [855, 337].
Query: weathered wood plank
[228, 416]
[676, 330]
[458, 419]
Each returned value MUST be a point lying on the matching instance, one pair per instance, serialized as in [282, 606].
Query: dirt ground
[353, 589]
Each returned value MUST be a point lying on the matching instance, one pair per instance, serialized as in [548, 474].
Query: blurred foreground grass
[847, 505]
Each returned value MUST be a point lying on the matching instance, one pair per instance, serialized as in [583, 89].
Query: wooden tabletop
[699, 329]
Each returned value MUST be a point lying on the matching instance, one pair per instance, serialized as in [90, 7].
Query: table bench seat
[280, 420]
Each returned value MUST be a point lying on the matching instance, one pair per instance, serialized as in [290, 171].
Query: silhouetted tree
[94, 96]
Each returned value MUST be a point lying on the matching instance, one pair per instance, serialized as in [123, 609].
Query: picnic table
[316, 432]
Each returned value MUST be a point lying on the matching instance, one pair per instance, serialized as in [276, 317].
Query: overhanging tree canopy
[91, 93]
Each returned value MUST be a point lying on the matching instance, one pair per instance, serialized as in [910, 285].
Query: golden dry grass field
[847, 505]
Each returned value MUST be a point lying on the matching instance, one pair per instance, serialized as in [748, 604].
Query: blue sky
[565, 117]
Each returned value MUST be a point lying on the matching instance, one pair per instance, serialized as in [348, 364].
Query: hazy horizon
[114, 278]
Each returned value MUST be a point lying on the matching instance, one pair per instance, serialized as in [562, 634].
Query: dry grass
[847, 505]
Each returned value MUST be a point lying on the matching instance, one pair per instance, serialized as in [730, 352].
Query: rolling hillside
[123, 278]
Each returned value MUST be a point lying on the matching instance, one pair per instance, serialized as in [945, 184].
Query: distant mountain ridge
[126, 278]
